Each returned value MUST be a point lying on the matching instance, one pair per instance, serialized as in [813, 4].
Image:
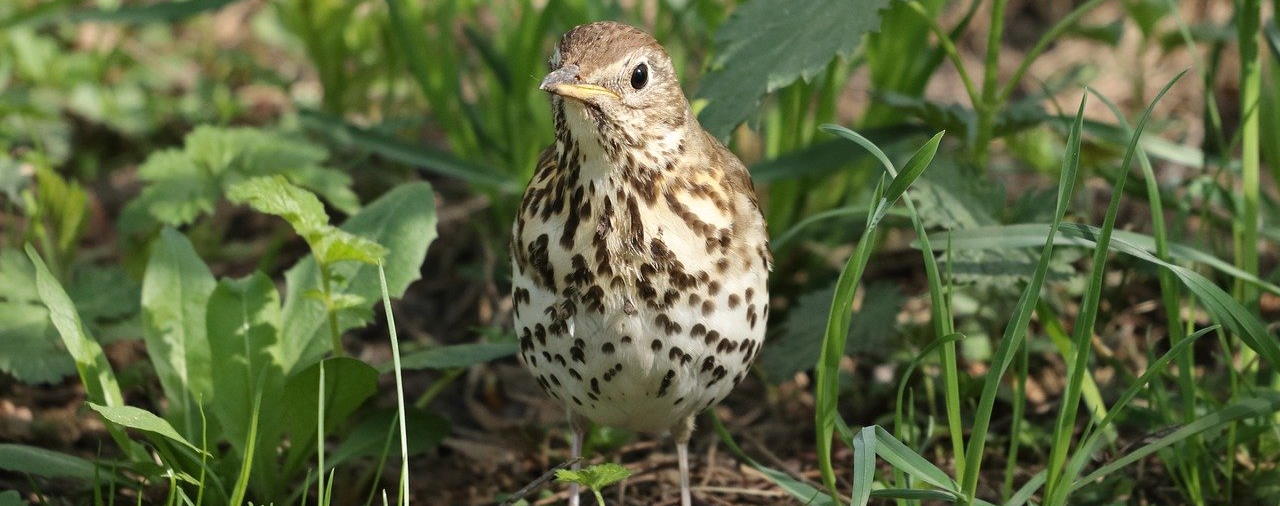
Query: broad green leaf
[277, 196]
[425, 431]
[594, 477]
[91, 363]
[458, 355]
[768, 44]
[244, 335]
[347, 384]
[404, 222]
[175, 297]
[46, 463]
[141, 419]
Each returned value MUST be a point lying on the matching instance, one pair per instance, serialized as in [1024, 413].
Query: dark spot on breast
[606, 348]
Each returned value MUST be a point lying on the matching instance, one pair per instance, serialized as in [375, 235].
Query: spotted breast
[639, 261]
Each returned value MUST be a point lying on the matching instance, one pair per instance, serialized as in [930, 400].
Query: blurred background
[123, 122]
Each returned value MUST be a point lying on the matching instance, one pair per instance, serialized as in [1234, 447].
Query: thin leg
[576, 449]
[681, 433]
[682, 452]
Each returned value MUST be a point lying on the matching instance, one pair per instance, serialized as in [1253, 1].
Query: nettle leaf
[594, 477]
[768, 44]
[333, 244]
[184, 184]
[30, 347]
[800, 342]
[276, 196]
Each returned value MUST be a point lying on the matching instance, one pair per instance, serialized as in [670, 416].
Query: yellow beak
[583, 92]
[564, 82]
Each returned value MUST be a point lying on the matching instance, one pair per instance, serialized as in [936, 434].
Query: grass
[195, 258]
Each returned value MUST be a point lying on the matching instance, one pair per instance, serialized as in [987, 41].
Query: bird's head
[616, 84]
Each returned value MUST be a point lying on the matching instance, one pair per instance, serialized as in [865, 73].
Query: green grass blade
[864, 465]
[1064, 428]
[1248, 408]
[896, 453]
[912, 494]
[250, 445]
[1090, 441]
[395, 357]
[1142, 246]
[1015, 330]
[802, 491]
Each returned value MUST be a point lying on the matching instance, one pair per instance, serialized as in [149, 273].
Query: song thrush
[639, 254]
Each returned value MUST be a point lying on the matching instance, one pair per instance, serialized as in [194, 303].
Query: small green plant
[595, 478]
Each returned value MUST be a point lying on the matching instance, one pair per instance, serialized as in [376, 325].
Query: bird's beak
[564, 82]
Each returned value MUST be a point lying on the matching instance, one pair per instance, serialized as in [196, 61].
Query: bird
[640, 257]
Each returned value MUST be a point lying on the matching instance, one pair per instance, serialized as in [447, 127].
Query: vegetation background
[210, 210]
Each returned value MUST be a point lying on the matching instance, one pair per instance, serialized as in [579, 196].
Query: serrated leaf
[187, 183]
[333, 245]
[768, 44]
[334, 185]
[29, 347]
[798, 346]
[277, 196]
[594, 477]
[141, 419]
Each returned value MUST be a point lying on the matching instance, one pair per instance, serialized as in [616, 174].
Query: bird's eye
[640, 76]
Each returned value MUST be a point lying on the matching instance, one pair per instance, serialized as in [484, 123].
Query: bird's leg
[681, 432]
[579, 426]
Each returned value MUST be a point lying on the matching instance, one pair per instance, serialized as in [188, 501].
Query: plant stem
[988, 106]
[325, 284]
[1247, 16]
